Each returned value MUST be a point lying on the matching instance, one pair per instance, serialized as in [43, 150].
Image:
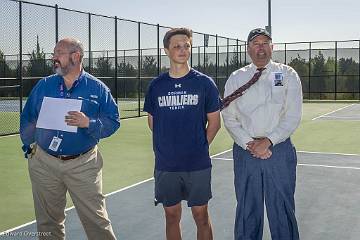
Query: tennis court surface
[327, 201]
[348, 112]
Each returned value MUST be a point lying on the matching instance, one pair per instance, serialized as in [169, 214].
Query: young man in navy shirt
[183, 113]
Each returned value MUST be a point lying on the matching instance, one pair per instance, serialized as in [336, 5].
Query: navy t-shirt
[179, 107]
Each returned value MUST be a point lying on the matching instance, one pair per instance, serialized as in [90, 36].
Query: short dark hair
[176, 31]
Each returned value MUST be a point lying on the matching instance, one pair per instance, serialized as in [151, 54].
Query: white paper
[53, 111]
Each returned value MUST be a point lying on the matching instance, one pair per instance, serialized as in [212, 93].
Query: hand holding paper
[53, 111]
[76, 118]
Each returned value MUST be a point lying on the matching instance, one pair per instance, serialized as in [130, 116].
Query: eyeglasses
[62, 53]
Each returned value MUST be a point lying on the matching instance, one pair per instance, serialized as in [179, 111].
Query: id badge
[55, 143]
[277, 79]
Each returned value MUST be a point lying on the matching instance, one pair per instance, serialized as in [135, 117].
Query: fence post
[238, 59]
[335, 73]
[20, 72]
[90, 57]
[204, 39]
[245, 53]
[285, 54]
[124, 74]
[158, 50]
[227, 57]
[199, 56]
[116, 61]
[216, 59]
[191, 56]
[4, 70]
[139, 68]
[56, 23]
[309, 71]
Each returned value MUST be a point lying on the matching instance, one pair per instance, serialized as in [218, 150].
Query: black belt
[70, 157]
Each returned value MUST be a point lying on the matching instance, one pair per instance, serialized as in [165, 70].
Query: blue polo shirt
[97, 104]
[179, 107]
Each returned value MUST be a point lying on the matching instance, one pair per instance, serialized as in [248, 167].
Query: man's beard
[62, 71]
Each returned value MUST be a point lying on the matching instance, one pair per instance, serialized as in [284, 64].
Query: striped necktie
[240, 91]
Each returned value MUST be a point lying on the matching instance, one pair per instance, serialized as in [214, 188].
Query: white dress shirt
[271, 108]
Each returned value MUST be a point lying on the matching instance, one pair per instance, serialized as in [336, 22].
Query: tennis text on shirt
[178, 100]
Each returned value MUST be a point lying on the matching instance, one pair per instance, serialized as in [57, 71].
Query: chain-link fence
[124, 54]
[127, 54]
[329, 70]
[9, 109]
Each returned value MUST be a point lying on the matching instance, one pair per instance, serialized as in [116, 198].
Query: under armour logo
[177, 85]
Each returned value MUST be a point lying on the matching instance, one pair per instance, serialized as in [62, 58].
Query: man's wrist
[91, 123]
[271, 144]
[87, 122]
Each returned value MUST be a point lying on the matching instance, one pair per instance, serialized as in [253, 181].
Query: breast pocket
[90, 108]
[278, 94]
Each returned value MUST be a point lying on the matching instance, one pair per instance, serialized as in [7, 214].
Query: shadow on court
[327, 201]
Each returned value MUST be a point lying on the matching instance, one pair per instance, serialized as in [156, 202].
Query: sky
[292, 20]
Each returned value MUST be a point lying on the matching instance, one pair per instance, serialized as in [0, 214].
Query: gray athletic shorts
[172, 187]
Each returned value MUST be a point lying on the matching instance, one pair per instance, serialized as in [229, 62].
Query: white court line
[127, 102]
[131, 118]
[304, 164]
[330, 153]
[126, 188]
[332, 111]
[309, 165]
[15, 228]
[11, 135]
[108, 194]
[327, 166]
[213, 156]
[68, 209]
[351, 118]
[225, 159]
[323, 153]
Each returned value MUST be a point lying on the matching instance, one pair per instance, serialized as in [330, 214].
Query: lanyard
[62, 88]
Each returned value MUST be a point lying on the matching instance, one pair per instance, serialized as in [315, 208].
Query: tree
[302, 68]
[38, 67]
[347, 66]
[127, 70]
[149, 67]
[300, 65]
[149, 71]
[234, 62]
[129, 83]
[4, 67]
[103, 67]
[317, 71]
[347, 74]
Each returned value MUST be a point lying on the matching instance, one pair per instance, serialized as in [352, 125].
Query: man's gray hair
[74, 46]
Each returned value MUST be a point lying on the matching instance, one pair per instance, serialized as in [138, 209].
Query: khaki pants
[51, 178]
